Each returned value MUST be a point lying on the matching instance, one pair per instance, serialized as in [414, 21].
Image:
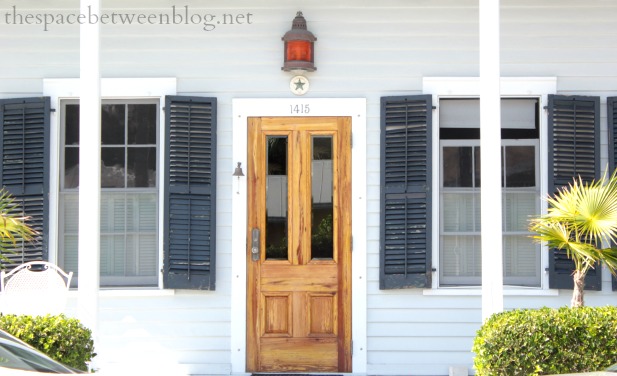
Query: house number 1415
[299, 109]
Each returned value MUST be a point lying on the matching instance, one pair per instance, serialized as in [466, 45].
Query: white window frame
[469, 87]
[59, 89]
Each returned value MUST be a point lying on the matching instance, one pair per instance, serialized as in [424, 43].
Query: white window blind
[516, 113]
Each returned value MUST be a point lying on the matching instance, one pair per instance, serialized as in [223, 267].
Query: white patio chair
[34, 288]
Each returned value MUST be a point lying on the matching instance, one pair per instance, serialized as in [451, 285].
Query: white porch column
[89, 166]
[490, 159]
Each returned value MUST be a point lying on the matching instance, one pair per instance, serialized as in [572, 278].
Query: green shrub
[63, 339]
[547, 341]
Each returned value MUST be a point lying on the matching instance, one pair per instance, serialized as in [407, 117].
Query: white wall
[364, 49]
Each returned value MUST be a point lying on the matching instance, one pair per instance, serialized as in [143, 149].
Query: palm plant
[13, 227]
[581, 218]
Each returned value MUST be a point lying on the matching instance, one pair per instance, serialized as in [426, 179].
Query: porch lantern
[299, 52]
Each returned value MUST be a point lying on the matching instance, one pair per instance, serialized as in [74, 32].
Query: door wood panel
[298, 303]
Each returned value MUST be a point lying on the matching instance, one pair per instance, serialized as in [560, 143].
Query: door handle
[255, 244]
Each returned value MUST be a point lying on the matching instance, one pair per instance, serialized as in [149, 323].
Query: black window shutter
[406, 173]
[611, 107]
[574, 150]
[24, 143]
[190, 193]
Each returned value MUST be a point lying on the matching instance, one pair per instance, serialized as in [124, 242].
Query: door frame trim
[242, 109]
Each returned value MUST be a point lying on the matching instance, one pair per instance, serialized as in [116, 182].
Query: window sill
[477, 291]
[130, 292]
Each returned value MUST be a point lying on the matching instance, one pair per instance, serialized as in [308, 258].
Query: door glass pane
[321, 187]
[276, 198]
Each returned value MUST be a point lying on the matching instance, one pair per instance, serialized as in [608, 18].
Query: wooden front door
[299, 245]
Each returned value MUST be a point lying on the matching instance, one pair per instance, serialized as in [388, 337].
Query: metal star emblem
[299, 85]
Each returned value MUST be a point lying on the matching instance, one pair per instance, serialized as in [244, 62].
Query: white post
[490, 159]
[89, 165]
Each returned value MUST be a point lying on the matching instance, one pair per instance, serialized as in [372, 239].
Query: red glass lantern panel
[299, 50]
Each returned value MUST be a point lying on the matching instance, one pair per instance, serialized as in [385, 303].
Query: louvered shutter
[611, 106]
[405, 237]
[574, 150]
[190, 182]
[24, 171]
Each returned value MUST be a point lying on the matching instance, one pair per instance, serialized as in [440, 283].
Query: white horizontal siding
[186, 332]
[364, 49]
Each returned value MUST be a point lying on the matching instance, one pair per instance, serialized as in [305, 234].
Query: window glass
[461, 257]
[129, 195]
[71, 146]
[72, 125]
[457, 166]
[461, 211]
[459, 201]
[112, 167]
[141, 167]
[71, 167]
[141, 124]
[461, 166]
[520, 166]
[113, 124]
